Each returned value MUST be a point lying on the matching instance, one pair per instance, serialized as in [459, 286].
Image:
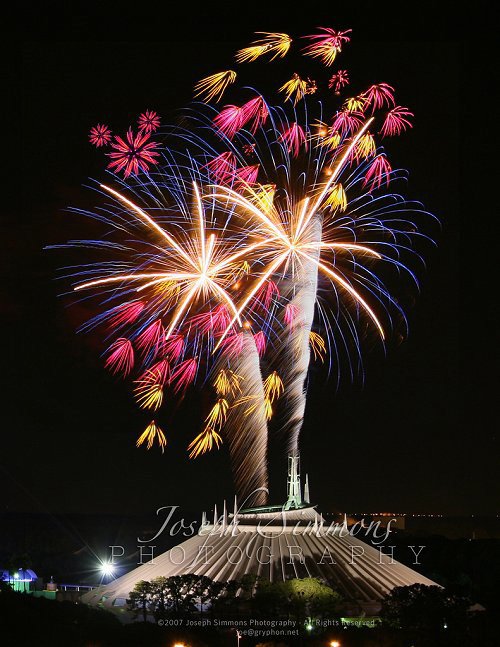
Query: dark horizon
[395, 443]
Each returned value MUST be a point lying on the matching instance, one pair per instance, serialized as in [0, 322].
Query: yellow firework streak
[295, 86]
[336, 198]
[149, 394]
[328, 137]
[204, 442]
[214, 86]
[285, 239]
[327, 52]
[273, 387]
[366, 146]
[263, 196]
[355, 104]
[255, 403]
[227, 383]
[150, 433]
[268, 409]
[218, 414]
[201, 265]
[318, 345]
[275, 43]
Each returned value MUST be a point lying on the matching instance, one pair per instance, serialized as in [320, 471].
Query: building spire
[307, 498]
[294, 498]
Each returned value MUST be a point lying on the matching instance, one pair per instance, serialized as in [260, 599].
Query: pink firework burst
[396, 121]
[135, 154]
[149, 121]
[254, 113]
[247, 174]
[121, 357]
[291, 312]
[174, 346]
[100, 135]
[326, 44]
[233, 344]
[338, 81]
[379, 170]
[293, 138]
[229, 121]
[152, 337]
[222, 167]
[260, 342]
[267, 293]
[379, 95]
[217, 320]
[184, 374]
[125, 313]
[157, 373]
[346, 121]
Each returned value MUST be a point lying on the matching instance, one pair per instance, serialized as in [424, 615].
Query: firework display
[248, 241]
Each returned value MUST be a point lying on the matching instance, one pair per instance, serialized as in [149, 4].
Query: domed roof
[21, 575]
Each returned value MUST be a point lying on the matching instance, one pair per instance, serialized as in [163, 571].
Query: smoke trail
[246, 426]
[292, 361]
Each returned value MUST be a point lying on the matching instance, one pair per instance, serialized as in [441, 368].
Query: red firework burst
[133, 155]
[149, 121]
[379, 170]
[293, 138]
[100, 135]
[338, 81]
[396, 121]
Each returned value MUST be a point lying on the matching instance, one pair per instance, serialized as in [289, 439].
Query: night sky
[395, 443]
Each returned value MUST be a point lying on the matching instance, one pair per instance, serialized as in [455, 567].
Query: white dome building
[275, 543]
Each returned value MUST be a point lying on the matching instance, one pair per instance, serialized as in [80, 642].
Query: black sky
[396, 443]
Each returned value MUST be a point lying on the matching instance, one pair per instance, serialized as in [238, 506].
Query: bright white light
[107, 569]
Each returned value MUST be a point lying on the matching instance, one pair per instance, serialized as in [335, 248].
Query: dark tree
[140, 599]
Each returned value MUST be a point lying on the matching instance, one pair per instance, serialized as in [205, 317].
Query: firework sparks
[149, 390]
[204, 442]
[232, 274]
[293, 138]
[337, 198]
[318, 345]
[272, 43]
[396, 121]
[327, 44]
[346, 121]
[338, 81]
[121, 357]
[254, 114]
[379, 170]
[273, 387]
[213, 87]
[100, 135]
[227, 383]
[379, 95]
[133, 155]
[229, 121]
[355, 104]
[295, 87]
[151, 433]
[149, 121]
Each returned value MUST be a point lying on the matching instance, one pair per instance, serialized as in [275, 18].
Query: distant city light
[335, 643]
